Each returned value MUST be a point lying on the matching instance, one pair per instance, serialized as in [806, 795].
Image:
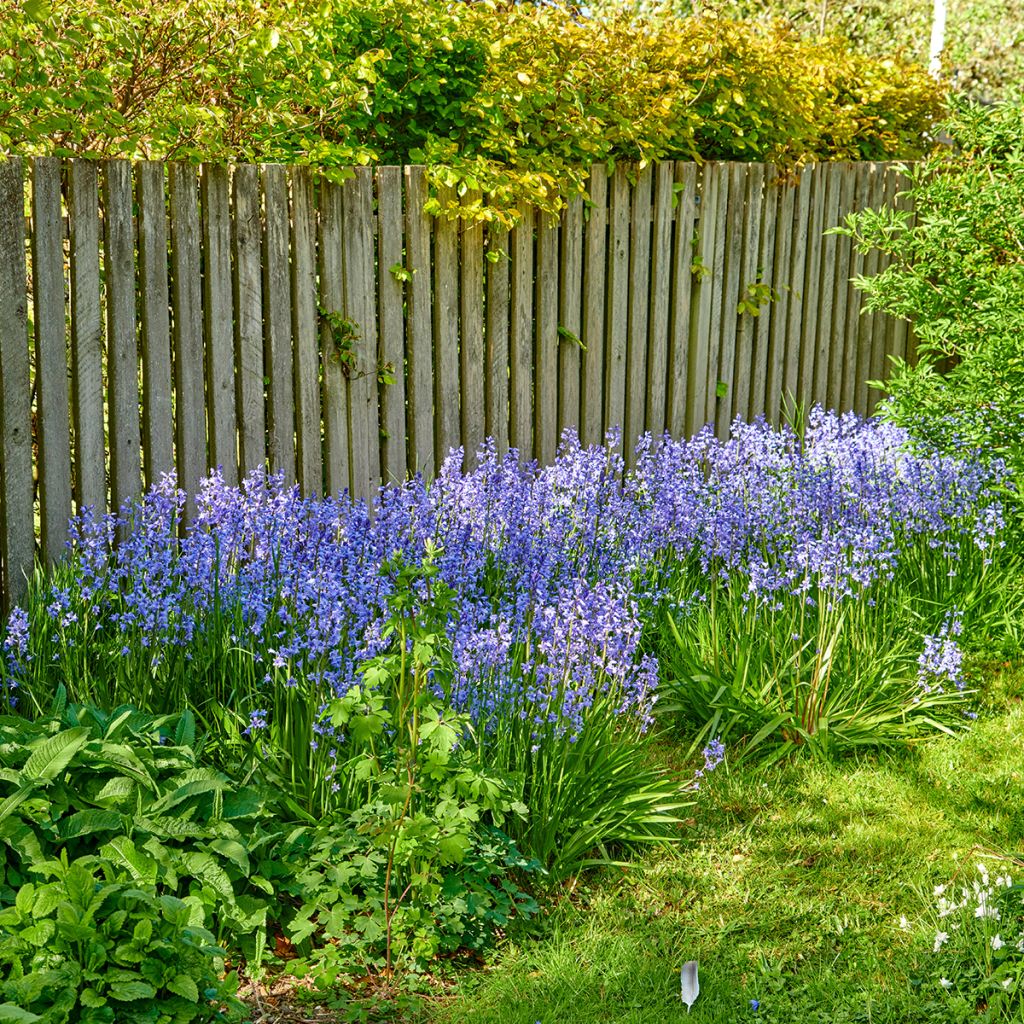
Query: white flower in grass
[938, 890]
[945, 983]
[904, 923]
[997, 942]
[1007, 982]
[940, 940]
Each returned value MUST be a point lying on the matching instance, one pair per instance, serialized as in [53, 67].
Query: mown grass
[788, 888]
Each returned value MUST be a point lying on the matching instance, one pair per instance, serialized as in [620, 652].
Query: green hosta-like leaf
[125, 854]
[11, 1014]
[233, 851]
[132, 991]
[191, 789]
[204, 867]
[185, 987]
[88, 822]
[50, 757]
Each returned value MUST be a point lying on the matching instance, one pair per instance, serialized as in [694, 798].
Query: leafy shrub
[957, 273]
[514, 99]
[132, 788]
[89, 944]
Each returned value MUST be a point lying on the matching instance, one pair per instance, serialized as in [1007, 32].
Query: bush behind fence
[163, 316]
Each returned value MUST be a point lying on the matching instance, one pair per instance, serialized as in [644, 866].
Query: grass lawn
[788, 889]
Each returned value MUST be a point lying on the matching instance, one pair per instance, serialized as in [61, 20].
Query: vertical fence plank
[248, 302]
[157, 407]
[496, 385]
[822, 338]
[546, 342]
[724, 209]
[617, 315]
[391, 322]
[813, 246]
[471, 349]
[639, 308]
[446, 329]
[851, 384]
[678, 416]
[186, 302]
[732, 272]
[17, 543]
[660, 297]
[797, 310]
[785, 203]
[122, 343]
[700, 337]
[874, 186]
[640, 288]
[332, 300]
[521, 336]
[419, 325]
[743, 369]
[838, 284]
[570, 305]
[52, 420]
[306, 334]
[593, 323]
[87, 337]
[361, 307]
[277, 321]
[766, 276]
[218, 320]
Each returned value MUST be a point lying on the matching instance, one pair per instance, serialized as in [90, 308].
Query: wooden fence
[157, 316]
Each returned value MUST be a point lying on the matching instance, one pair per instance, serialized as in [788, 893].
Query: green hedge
[508, 98]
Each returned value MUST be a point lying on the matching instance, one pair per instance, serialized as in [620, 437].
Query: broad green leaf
[52, 756]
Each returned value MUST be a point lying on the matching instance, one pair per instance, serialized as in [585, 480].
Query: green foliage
[513, 100]
[957, 272]
[89, 944]
[133, 789]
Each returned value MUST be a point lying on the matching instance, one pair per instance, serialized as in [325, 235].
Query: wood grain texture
[218, 320]
[851, 385]
[704, 292]
[521, 336]
[498, 318]
[766, 275]
[87, 338]
[471, 334]
[731, 276]
[826, 282]
[125, 437]
[785, 203]
[419, 325]
[17, 540]
[332, 301]
[447, 403]
[155, 337]
[744, 370]
[660, 293]
[306, 335]
[277, 321]
[718, 284]
[617, 310]
[570, 315]
[545, 352]
[53, 420]
[361, 308]
[678, 414]
[840, 289]
[187, 316]
[811, 285]
[592, 327]
[794, 364]
[247, 294]
[391, 322]
[641, 215]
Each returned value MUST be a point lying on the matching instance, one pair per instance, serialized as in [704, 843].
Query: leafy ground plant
[89, 944]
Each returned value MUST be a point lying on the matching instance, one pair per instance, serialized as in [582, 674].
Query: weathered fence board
[342, 334]
[17, 541]
[53, 426]
[154, 299]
